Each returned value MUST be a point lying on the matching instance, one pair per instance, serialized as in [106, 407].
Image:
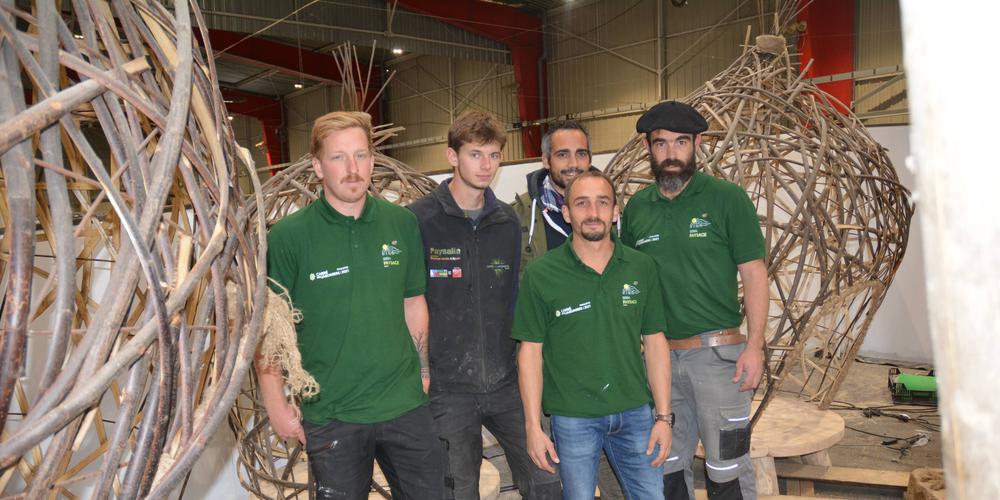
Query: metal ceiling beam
[256, 76]
[292, 60]
[276, 56]
[519, 31]
[378, 35]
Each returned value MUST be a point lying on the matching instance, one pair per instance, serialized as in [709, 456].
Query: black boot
[674, 487]
[729, 490]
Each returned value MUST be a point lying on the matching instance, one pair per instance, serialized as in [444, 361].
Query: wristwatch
[668, 418]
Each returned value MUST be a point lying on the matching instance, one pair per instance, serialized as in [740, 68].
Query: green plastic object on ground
[924, 383]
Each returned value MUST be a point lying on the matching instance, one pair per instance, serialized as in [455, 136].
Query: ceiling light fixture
[297, 85]
[397, 50]
[230, 117]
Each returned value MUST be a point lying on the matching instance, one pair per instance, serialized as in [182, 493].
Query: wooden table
[791, 428]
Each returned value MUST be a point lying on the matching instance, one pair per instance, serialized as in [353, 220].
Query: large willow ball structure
[267, 467]
[834, 215]
[133, 278]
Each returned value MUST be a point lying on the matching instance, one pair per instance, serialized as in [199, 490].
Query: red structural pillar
[268, 112]
[829, 42]
[521, 32]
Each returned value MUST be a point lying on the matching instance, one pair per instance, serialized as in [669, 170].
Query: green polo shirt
[591, 327]
[697, 240]
[349, 277]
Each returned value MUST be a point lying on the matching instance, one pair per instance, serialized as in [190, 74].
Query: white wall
[901, 327]
[900, 330]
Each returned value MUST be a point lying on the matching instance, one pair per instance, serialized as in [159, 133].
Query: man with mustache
[565, 155]
[353, 265]
[472, 249]
[590, 319]
[703, 231]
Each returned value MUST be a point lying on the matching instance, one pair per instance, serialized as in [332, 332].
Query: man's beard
[673, 182]
[560, 179]
[596, 235]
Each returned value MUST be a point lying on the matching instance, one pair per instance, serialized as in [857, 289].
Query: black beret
[673, 116]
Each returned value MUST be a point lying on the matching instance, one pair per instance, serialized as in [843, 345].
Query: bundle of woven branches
[834, 215]
[132, 275]
[269, 467]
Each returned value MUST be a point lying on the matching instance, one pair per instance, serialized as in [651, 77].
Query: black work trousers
[459, 419]
[407, 451]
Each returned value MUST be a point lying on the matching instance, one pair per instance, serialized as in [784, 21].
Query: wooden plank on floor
[703, 495]
[848, 475]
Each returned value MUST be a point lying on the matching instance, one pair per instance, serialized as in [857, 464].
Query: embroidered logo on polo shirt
[324, 274]
[697, 227]
[566, 311]
[628, 294]
[648, 239]
[389, 250]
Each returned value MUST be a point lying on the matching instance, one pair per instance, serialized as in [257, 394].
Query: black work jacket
[471, 288]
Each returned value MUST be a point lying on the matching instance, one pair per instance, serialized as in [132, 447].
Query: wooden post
[953, 129]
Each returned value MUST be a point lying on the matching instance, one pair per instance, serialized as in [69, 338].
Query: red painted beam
[286, 59]
[268, 112]
[829, 42]
[521, 32]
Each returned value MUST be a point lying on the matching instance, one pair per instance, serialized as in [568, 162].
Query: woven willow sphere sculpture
[134, 284]
[834, 216]
[267, 467]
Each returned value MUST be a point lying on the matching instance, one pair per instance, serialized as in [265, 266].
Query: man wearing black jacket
[472, 248]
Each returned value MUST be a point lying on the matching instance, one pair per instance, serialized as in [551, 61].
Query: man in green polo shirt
[353, 265]
[587, 314]
[703, 231]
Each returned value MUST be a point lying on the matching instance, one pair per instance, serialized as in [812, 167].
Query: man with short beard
[702, 231]
[589, 317]
[565, 154]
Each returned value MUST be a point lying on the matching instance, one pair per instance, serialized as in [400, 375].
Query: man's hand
[425, 379]
[286, 420]
[663, 435]
[538, 445]
[751, 362]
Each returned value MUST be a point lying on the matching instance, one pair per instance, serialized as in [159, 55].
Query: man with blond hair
[353, 264]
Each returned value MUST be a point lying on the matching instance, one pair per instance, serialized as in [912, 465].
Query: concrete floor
[865, 386]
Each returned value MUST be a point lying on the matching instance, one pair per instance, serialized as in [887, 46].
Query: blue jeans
[624, 437]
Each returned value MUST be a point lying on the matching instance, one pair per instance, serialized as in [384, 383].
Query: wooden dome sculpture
[133, 279]
[267, 467]
[834, 216]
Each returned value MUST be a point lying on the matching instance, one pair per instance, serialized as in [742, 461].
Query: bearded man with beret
[702, 232]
